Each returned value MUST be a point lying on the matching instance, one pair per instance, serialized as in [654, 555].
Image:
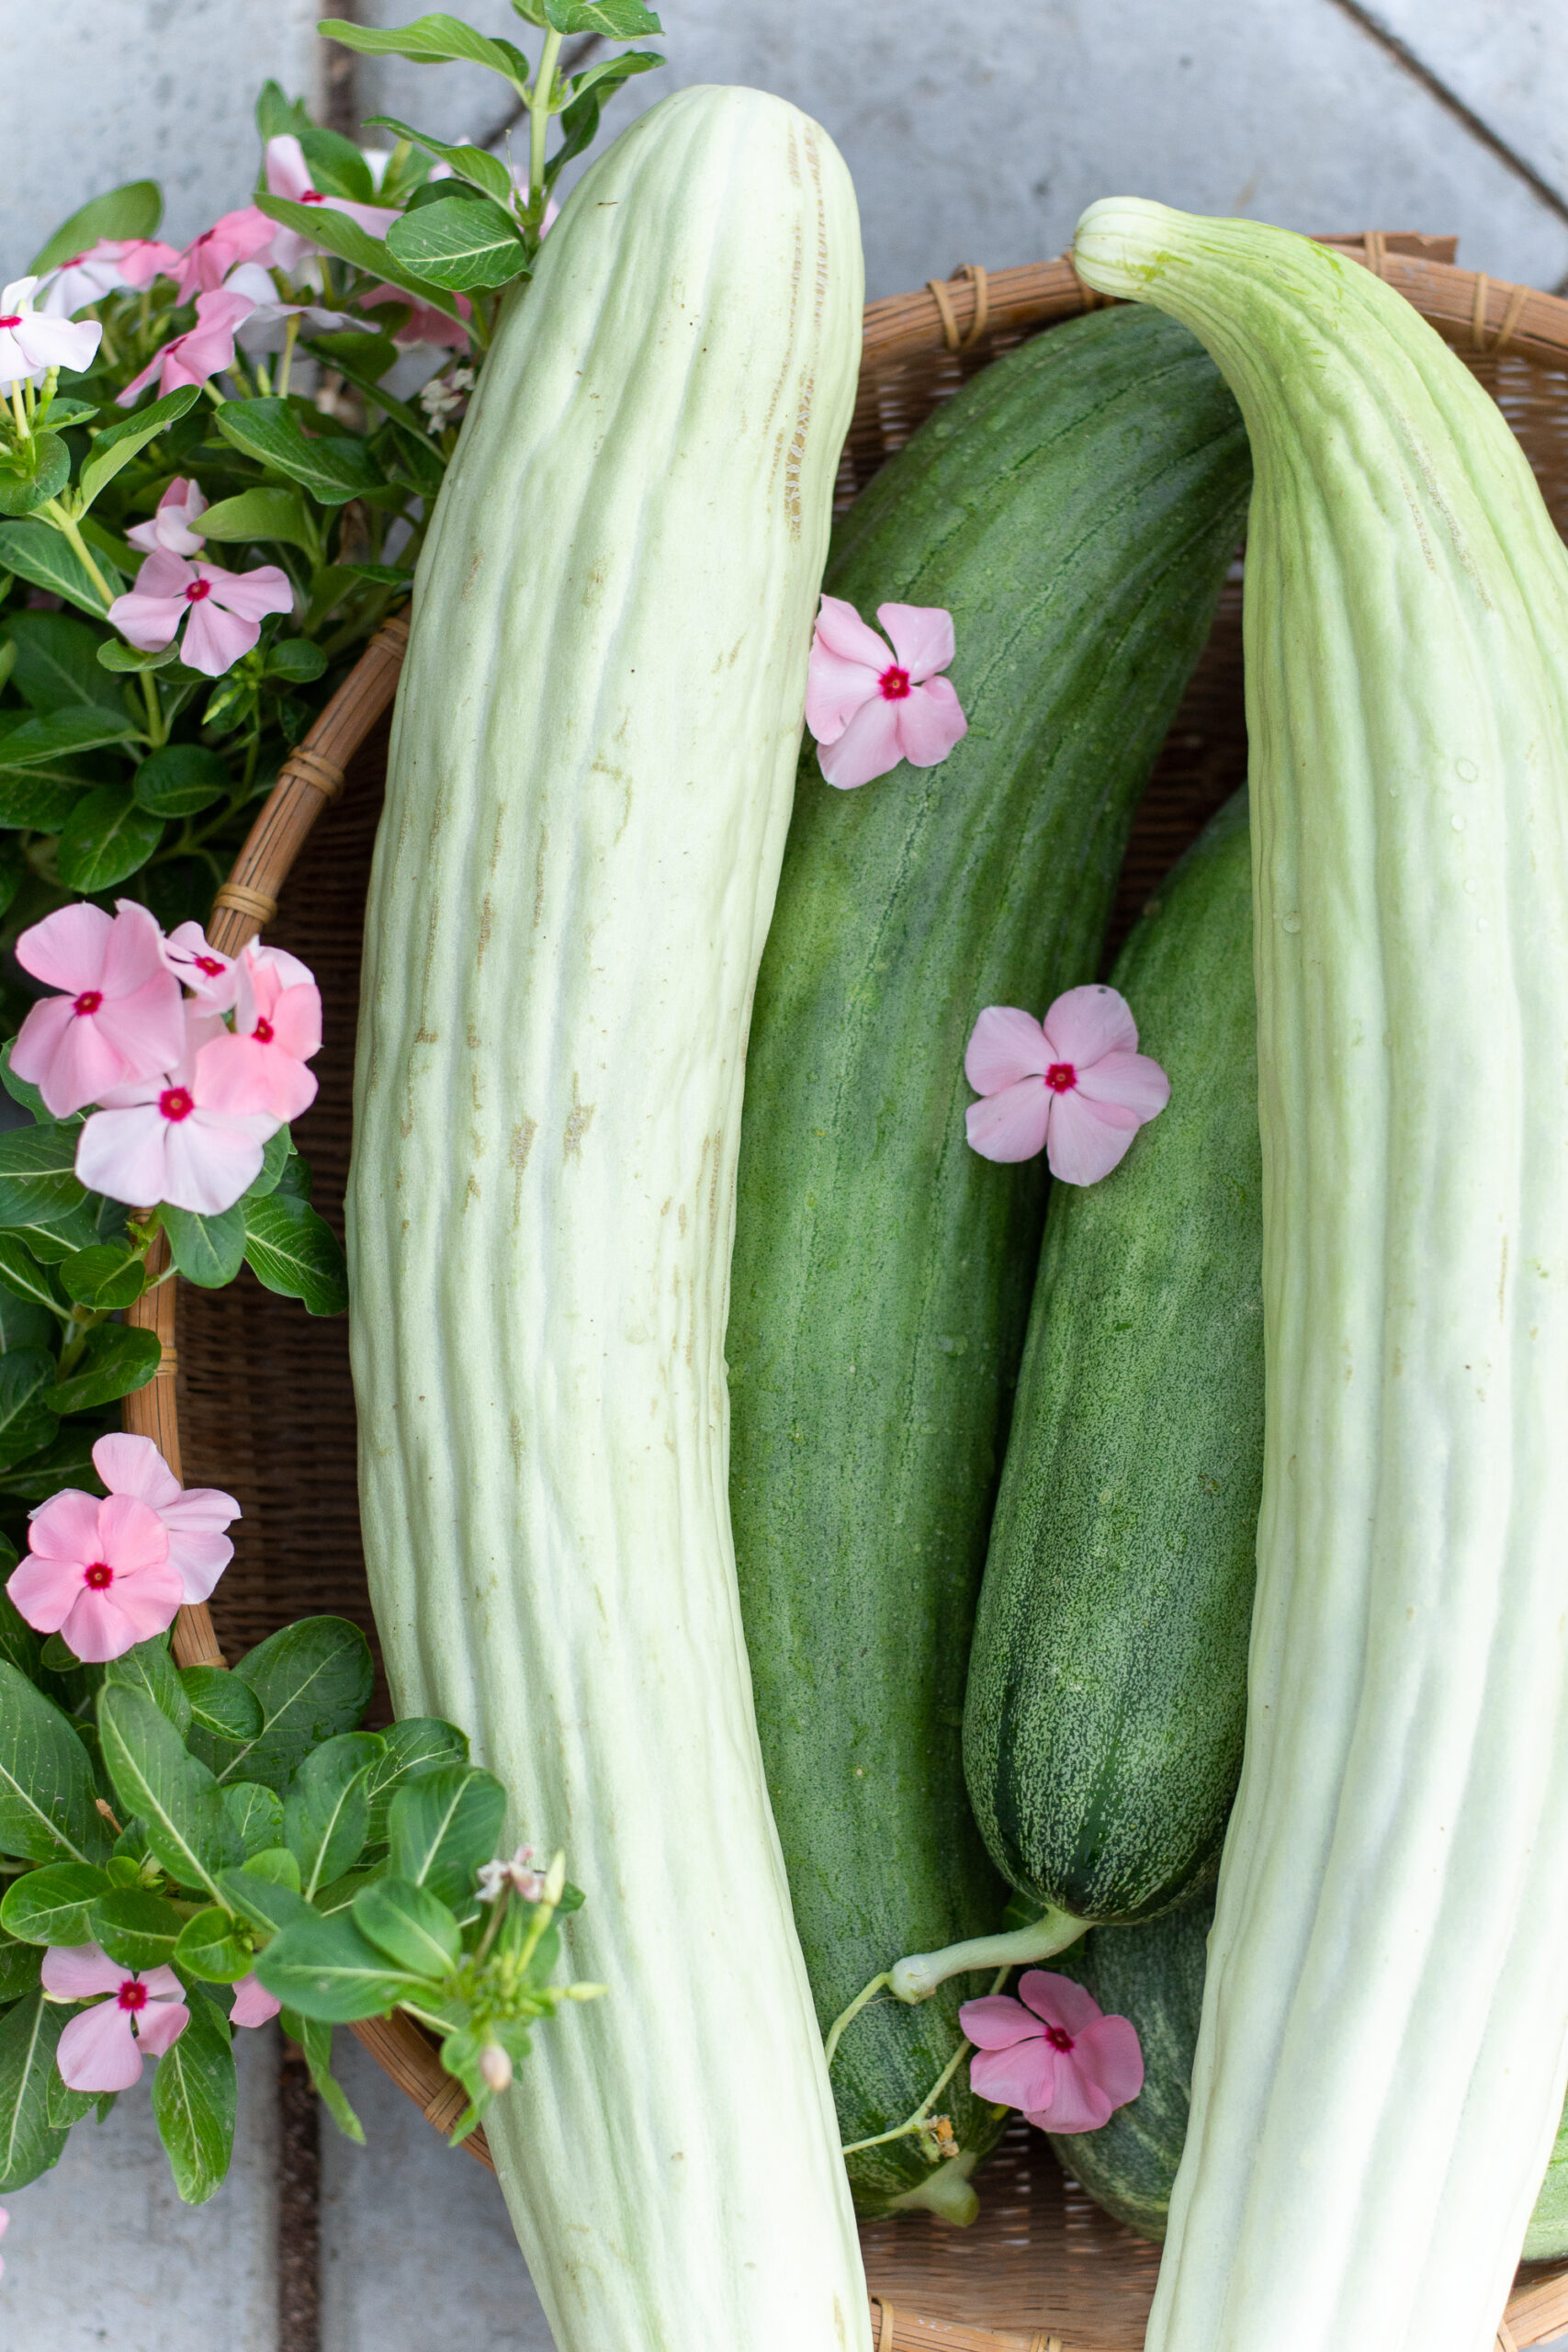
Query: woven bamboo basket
[1042, 2270]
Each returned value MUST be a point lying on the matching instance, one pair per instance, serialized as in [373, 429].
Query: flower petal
[66, 950]
[1076, 2104]
[132, 1536]
[198, 1561]
[1086, 1140]
[840, 630]
[253, 2004]
[1023, 2076]
[134, 1465]
[1085, 1022]
[44, 1592]
[835, 690]
[1005, 1045]
[101, 1626]
[996, 2021]
[922, 637]
[251, 594]
[77, 1972]
[1110, 2054]
[1012, 1124]
[210, 1160]
[120, 1153]
[215, 640]
[1135, 1080]
[66, 1526]
[159, 2025]
[162, 1985]
[867, 748]
[1060, 2000]
[929, 723]
[97, 2049]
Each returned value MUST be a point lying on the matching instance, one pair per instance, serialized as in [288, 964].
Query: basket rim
[1481, 315]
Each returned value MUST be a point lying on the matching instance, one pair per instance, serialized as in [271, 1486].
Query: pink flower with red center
[425, 323]
[173, 526]
[204, 350]
[1072, 1084]
[193, 1518]
[98, 1573]
[289, 175]
[105, 268]
[253, 2004]
[277, 1027]
[102, 2049]
[266, 329]
[869, 705]
[1053, 2052]
[32, 342]
[223, 610]
[120, 1017]
[192, 1136]
[213, 979]
[207, 259]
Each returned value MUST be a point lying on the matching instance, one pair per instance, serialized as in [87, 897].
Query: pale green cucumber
[1075, 508]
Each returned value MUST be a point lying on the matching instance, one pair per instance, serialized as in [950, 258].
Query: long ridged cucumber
[1107, 1681]
[1075, 509]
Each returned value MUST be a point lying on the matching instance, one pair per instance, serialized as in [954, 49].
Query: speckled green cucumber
[1075, 508]
[1153, 1974]
[1108, 1682]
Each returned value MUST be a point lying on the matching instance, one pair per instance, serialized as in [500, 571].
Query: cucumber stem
[835, 2032]
[917, 1976]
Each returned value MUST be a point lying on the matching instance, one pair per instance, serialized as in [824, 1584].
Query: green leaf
[326, 1810]
[48, 1811]
[136, 1927]
[107, 837]
[220, 1704]
[42, 557]
[208, 1250]
[276, 1155]
[316, 2040]
[441, 1827]
[32, 801]
[31, 476]
[326, 1969]
[20, 1966]
[611, 19]
[26, 1379]
[19, 1645]
[475, 165]
[117, 1360]
[57, 667]
[148, 1667]
[67, 1463]
[129, 659]
[432, 41]
[115, 448]
[194, 2101]
[461, 242]
[22, 1090]
[131, 213]
[105, 1276]
[276, 115]
[409, 1924]
[23, 1277]
[68, 2107]
[293, 1252]
[29, 2036]
[334, 467]
[269, 1902]
[61, 412]
[37, 1181]
[183, 778]
[264, 514]
[256, 1812]
[417, 1744]
[171, 1792]
[209, 1948]
[50, 1905]
[62, 734]
[338, 1894]
[313, 1680]
[296, 659]
[65, 1238]
[344, 237]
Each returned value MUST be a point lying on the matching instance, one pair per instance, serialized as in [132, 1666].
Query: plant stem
[922, 2116]
[66, 525]
[539, 113]
[286, 365]
[836, 2030]
[23, 429]
[917, 1976]
[156, 730]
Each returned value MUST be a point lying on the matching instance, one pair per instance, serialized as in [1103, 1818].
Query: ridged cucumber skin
[1153, 1974]
[1075, 508]
[1108, 1680]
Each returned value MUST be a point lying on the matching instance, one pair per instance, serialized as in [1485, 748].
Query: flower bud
[495, 2066]
[555, 1880]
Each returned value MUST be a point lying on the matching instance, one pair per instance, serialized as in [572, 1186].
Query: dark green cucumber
[1154, 1975]
[1075, 508]
[1108, 1682]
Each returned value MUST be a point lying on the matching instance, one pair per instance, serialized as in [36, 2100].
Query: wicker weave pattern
[1042, 2270]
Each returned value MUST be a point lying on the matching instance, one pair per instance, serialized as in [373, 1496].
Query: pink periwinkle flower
[193, 1518]
[102, 2049]
[213, 979]
[32, 342]
[207, 259]
[870, 706]
[425, 324]
[191, 1135]
[120, 1017]
[1054, 2053]
[105, 268]
[266, 327]
[204, 350]
[96, 1573]
[173, 526]
[277, 1027]
[1075, 1083]
[225, 609]
[289, 175]
[253, 2004]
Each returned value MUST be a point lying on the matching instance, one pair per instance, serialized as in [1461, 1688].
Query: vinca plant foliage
[200, 526]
